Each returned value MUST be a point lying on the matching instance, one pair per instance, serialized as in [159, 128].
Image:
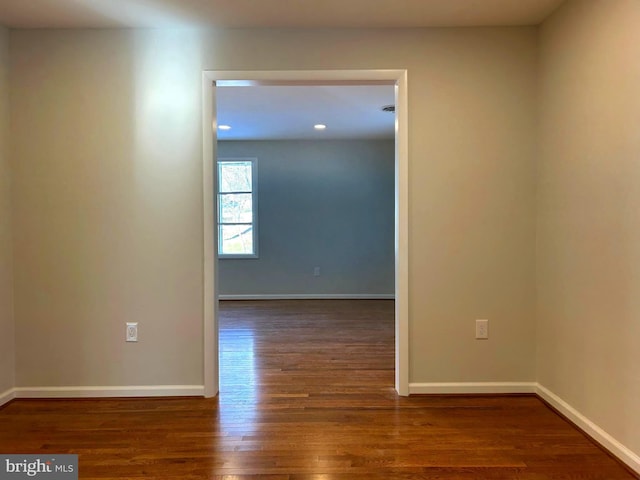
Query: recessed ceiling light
[224, 127]
[320, 126]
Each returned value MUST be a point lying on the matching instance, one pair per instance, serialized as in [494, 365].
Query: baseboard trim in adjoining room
[110, 391]
[617, 449]
[471, 388]
[7, 396]
[305, 296]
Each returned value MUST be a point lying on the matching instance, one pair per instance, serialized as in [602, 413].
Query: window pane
[236, 208]
[236, 240]
[235, 177]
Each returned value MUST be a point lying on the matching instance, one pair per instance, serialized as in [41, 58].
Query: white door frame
[209, 135]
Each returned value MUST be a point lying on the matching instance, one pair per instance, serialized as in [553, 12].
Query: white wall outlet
[482, 329]
[316, 271]
[132, 331]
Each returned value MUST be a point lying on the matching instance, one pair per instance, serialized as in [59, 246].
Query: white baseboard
[631, 459]
[119, 391]
[306, 296]
[6, 397]
[472, 388]
[624, 454]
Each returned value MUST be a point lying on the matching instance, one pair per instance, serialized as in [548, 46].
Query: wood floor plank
[306, 393]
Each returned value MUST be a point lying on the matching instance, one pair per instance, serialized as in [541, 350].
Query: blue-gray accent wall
[326, 204]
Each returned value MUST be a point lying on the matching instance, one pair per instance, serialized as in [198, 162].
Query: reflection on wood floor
[307, 393]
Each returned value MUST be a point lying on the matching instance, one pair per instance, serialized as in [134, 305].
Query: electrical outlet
[482, 329]
[132, 331]
[316, 271]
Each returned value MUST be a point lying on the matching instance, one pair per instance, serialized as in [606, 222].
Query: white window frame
[254, 201]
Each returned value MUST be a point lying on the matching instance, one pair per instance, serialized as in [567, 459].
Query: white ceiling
[291, 111]
[272, 13]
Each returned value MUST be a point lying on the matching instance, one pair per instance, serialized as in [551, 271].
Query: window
[237, 208]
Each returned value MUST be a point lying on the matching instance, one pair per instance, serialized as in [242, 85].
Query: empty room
[456, 299]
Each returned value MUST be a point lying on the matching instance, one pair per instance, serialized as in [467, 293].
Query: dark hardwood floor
[307, 394]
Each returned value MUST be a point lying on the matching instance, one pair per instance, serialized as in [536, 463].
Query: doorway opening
[212, 80]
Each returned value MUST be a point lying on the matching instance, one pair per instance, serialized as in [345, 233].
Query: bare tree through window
[236, 207]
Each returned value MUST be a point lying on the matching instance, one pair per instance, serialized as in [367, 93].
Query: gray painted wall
[588, 235]
[107, 194]
[327, 204]
[7, 346]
